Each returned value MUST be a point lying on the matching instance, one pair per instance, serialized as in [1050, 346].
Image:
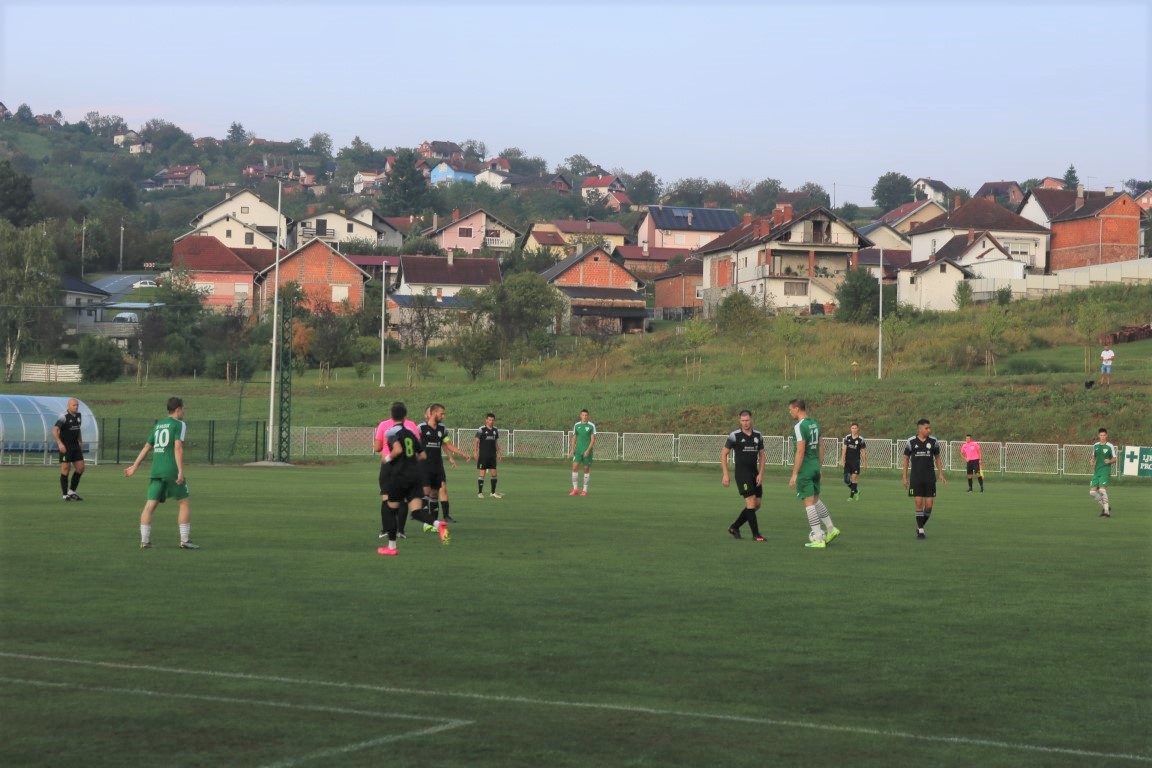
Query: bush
[100, 359]
[165, 364]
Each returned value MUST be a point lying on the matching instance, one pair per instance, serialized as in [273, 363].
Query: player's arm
[907, 458]
[843, 453]
[591, 442]
[178, 452]
[800, 446]
[761, 457]
[863, 459]
[131, 469]
[940, 468]
[56, 434]
[724, 464]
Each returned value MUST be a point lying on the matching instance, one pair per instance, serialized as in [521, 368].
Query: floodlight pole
[880, 314]
[383, 314]
[272, 442]
[121, 267]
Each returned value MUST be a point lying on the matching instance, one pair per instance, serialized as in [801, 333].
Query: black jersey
[433, 439]
[488, 439]
[410, 443]
[853, 446]
[922, 458]
[69, 425]
[746, 447]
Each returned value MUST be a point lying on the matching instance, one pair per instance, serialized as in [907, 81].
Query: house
[599, 187]
[1008, 191]
[4, 113]
[473, 232]
[617, 202]
[664, 226]
[497, 178]
[440, 150]
[932, 189]
[339, 227]
[436, 281]
[983, 255]
[498, 164]
[453, 172]
[1144, 200]
[226, 276]
[47, 121]
[126, 138]
[140, 148]
[890, 260]
[680, 288]
[577, 234]
[81, 302]
[233, 233]
[181, 176]
[904, 218]
[555, 183]
[1088, 227]
[932, 284]
[1024, 240]
[884, 235]
[247, 207]
[646, 262]
[404, 224]
[324, 274]
[783, 261]
[1051, 182]
[599, 294]
[367, 181]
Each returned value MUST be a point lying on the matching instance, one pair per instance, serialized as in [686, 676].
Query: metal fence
[236, 442]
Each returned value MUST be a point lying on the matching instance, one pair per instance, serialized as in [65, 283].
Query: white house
[932, 189]
[234, 233]
[249, 208]
[1023, 240]
[339, 227]
[932, 284]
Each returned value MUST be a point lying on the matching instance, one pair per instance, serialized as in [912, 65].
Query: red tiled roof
[896, 214]
[981, 213]
[403, 224]
[636, 253]
[549, 239]
[435, 270]
[207, 254]
[575, 227]
[598, 181]
[688, 267]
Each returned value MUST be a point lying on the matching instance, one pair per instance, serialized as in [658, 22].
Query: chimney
[311, 210]
[1079, 196]
[1109, 191]
[455, 214]
[689, 219]
[645, 249]
[451, 257]
[747, 219]
[955, 202]
[435, 220]
[786, 209]
[971, 236]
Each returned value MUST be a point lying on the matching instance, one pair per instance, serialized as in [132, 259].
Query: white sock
[145, 534]
[575, 480]
[814, 523]
[391, 545]
[587, 479]
[822, 511]
[185, 532]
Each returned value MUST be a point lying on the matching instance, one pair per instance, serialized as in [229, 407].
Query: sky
[834, 93]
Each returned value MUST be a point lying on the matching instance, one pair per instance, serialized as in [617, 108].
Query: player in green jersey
[1103, 457]
[167, 480]
[806, 476]
[582, 442]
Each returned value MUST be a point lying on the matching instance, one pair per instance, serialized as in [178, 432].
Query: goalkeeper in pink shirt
[970, 450]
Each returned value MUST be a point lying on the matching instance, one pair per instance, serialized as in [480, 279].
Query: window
[795, 288]
[933, 247]
[1017, 248]
[321, 227]
[240, 288]
[680, 238]
[249, 238]
[206, 288]
[699, 292]
[349, 228]
[339, 293]
[943, 268]
[464, 232]
[227, 233]
[243, 209]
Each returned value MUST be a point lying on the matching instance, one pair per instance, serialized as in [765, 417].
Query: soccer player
[1103, 457]
[380, 445]
[582, 442]
[435, 438]
[406, 480]
[167, 480]
[487, 450]
[67, 434]
[1106, 358]
[806, 475]
[748, 444]
[921, 455]
[970, 450]
[854, 459]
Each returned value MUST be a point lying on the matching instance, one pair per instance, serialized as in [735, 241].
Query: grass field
[621, 629]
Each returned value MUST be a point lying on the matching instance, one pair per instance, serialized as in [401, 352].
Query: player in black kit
[854, 459]
[748, 445]
[921, 457]
[68, 440]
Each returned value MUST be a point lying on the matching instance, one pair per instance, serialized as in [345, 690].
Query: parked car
[126, 317]
[144, 284]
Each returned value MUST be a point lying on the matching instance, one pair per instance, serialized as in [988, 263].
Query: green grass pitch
[625, 628]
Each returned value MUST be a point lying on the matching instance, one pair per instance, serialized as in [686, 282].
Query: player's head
[399, 412]
[797, 407]
[489, 420]
[584, 414]
[924, 427]
[745, 419]
[436, 413]
[73, 405]
[967, 438]
[854, 428]
[1102, 435]
[175, 404]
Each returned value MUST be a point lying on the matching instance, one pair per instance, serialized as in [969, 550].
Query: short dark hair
[583, 410]
[174, 403]
[922, 422]
[854, 424]
[746, 412]
[489, 415]
[968, 435]
[399, 411]
[798, 403]
[1101, 430]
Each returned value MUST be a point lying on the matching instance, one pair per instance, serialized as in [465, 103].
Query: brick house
[1088, 227]
[598, 293]
[1009, 191]
[226, 275]
[440, 150]
[325, 275]
[647, 262]
[681, 288]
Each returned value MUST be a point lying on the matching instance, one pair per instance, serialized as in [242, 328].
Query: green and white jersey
[163, 441]
[809, 431]
[583, 431]
[1101, 453]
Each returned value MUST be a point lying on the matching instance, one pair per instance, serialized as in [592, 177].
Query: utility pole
[83, 237]
[121, 267]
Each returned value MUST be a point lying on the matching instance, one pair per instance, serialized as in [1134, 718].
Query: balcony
[324, 234]
[501, 243]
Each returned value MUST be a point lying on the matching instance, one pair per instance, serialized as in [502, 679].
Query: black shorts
[385, 478]
[974, 466]
[434, 477]
[71, 454]
[851, 469]
[486, 462]
[923, 488]
[406, 485]
[746, 482]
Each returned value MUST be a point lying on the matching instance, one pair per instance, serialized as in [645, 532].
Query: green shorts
[807, 484]
[1100, 478]
[585, 460]
[161, 489]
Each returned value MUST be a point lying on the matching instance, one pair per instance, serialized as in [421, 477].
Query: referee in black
[748, 445]
[68, 440]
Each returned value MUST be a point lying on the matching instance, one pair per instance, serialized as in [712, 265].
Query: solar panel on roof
[683, 212]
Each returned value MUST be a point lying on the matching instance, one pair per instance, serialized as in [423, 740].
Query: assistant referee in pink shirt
[970, 450]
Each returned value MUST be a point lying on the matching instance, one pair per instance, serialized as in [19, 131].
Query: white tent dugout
[26, 423]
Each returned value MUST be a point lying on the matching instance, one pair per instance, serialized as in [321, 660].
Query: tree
[1030, 184]
[331, 339]
[577, 165]
[24, 115]
[406, 189]
[29, 287]
[993, 326]
[858, 297]
[100, 359]
[848, 211]
[1090, 323]
[237, 134]
[1071, 180]
[321, 144]
[962, 295]
[697, 333]
[421, 322]
[1136, 186]
[762, 196]
[474, 150]
[738, 316]
[471, 348]
[644, 188]
[813, 196]
[518, 308]
[892, 190]
[790, 333]
[17, 201]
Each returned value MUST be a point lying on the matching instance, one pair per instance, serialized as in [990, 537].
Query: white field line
[633, 709]
[442, 724]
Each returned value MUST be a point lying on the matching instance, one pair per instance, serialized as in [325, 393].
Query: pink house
[474, 231]
[225, 276]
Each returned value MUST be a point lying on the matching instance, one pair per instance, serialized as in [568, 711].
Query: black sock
[444, 509]
[969, 483]
[480, 485]
[390, 514]
[853, 487]
[401, 519]
[383, 516]
[921, 519]
[981, 483]
[740, 519]
[423, 516]
[493, 485]
[434, 508]
[64, 484]
[75, 481]
[753, 523]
